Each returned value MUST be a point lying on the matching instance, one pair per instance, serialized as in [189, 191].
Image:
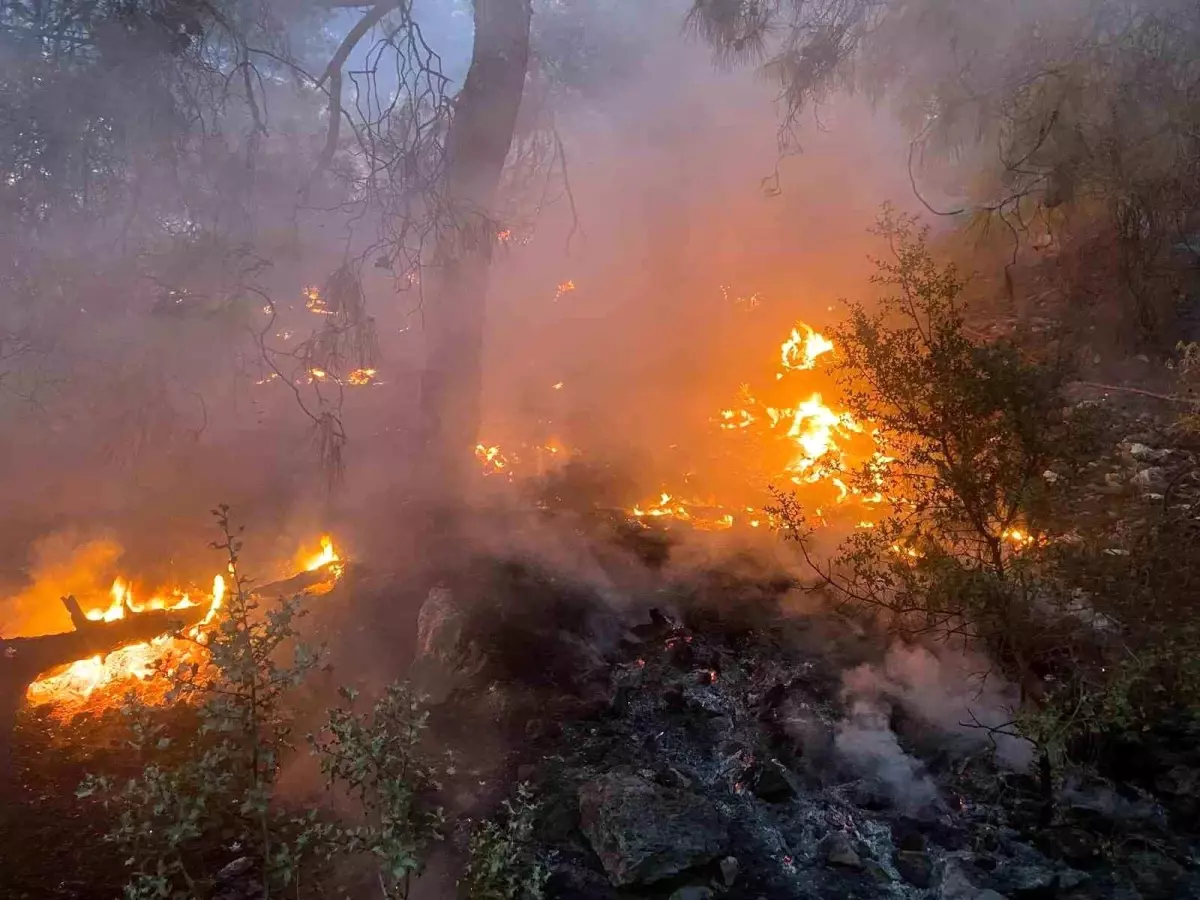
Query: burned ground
[716, 749]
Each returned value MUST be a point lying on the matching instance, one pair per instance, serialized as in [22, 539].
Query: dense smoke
[142, 397]
[952, 692]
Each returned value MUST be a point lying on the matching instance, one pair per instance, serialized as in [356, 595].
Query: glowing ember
[314, 302]
[494, 462]
[362, 376]
[564, 288]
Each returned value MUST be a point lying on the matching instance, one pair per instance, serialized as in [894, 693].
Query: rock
[729, 870]
[1033, 880]
[907, 835]
[1178, 781]
[877, 872]
[1152, 477]
[770, 701]
[958, 882]
[673, 698]
[705, 700]
[672, 777]
[444, 654]
[1155, 875]
[871, 795]
[837, 850]
[721, 726]
[914, 866]
[692, 892]
[1145, 454]
[572, 877]
[239, 868]
[644, 833]
[1074, 846]
[774, 783]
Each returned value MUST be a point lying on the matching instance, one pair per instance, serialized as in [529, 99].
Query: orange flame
[132, 666]
[327, 556]
[361, 376]
[800, 352]
[494, 462]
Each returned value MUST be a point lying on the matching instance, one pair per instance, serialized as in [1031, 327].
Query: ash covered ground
[717, 731]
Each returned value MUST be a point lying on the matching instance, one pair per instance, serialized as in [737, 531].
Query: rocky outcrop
[695, 759]
[643, 832]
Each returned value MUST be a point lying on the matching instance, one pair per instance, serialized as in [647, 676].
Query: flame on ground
[816, 435]
[800, 351]
[99, 681]
[493, 460]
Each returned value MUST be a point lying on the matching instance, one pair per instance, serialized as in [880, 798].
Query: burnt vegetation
[986, 688]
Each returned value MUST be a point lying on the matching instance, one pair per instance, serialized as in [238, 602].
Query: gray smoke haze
[865, 740]
[148, 403]
[945, 689]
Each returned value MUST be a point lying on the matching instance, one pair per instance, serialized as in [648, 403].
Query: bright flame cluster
[816, 433]
[130, 667]
[73, 685]
[493, 460]
[801, 351]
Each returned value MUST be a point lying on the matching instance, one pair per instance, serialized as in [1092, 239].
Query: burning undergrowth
[788, 430]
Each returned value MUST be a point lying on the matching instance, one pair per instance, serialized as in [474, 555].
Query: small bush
[503, 862]
[215, 783]
[984, 541]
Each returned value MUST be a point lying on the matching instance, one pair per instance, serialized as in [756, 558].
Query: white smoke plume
[946, 689]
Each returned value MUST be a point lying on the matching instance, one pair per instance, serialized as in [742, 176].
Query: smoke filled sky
[692, 245]
[698, 248]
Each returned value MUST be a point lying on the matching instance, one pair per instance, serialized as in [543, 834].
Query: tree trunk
[477, 146]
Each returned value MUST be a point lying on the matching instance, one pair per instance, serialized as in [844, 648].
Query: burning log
[23, 660]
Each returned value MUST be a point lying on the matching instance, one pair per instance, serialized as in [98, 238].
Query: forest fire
[816, 437]
[805, 442]
[102, 680]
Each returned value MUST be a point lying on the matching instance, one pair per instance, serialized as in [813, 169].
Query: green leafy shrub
[376, 759]
[503, 862]
[215, 782]
[984, 541]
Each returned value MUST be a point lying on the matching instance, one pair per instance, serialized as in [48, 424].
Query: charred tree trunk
[477, 146]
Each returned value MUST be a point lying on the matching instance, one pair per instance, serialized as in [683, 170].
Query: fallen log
[24, 660]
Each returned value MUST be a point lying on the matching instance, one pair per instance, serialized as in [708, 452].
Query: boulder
[774, 783]
[915, 867]
[729, 870]
[836, 849]
[1155, 875]
[445, 655]
[960, 881]
[643, 832]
